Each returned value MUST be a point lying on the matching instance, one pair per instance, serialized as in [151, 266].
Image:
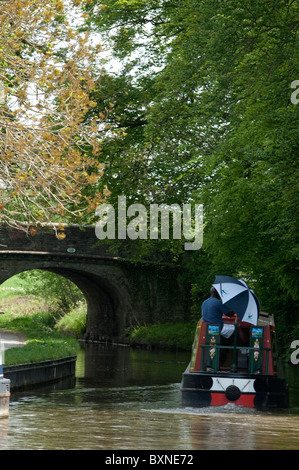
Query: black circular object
[232, 393]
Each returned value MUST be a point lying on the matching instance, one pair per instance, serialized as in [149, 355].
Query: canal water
[126, 399]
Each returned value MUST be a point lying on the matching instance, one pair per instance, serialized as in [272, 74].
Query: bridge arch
[103, 287]
[105, 305]
[119, 290]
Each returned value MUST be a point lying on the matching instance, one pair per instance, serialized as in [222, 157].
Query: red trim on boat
[219, 399]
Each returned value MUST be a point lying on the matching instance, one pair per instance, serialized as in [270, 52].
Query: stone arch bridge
[119, 291]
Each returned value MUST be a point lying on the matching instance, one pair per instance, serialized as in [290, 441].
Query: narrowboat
[244, 369]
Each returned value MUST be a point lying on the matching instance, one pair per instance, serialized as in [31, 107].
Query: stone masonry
[119, 291]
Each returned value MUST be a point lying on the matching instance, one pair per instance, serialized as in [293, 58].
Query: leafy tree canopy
[203, 112]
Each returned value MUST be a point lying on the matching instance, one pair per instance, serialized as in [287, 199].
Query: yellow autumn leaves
[49, 151]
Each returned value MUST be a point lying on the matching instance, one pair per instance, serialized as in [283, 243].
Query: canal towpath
[9, 339]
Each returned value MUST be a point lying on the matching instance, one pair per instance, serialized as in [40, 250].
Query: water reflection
[122, 366]
[130, 399]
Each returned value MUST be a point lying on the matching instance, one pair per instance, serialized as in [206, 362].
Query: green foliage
[22, 297]
[41, 322]
[41, 342]
[51, 287]
[11, 287]
[208, 89]
[73, 322]
[166, 335]
[37, 350]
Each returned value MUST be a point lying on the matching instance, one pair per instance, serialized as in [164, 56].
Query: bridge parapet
[76, 241]
[67, 239]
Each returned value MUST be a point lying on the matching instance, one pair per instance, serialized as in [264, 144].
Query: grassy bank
[52, 335]
[38, 321]
[172, 336]
[43, 341]
[46, 338]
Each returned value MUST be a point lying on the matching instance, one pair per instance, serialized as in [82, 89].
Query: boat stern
[207, 389]
[242, 370]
